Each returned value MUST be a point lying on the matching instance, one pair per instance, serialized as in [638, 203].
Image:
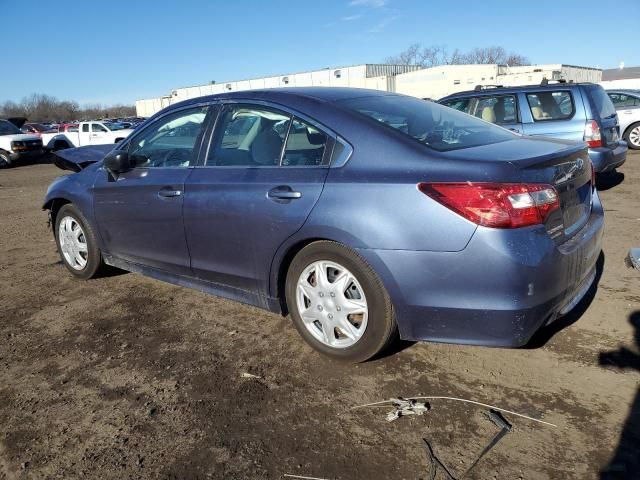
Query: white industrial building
[623, 77]
[434, 83]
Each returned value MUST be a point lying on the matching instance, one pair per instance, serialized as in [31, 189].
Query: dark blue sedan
[364, 215]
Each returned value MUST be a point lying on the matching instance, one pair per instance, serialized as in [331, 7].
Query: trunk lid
[564, 165]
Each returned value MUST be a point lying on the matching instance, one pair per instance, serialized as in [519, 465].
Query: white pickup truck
[88, 133]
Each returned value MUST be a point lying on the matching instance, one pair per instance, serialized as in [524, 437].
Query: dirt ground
[128, 377]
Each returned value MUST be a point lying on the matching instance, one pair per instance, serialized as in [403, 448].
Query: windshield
[439, 127]
[8, 128]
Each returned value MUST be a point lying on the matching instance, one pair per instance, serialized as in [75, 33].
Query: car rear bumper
[498, 291]
[606, 159]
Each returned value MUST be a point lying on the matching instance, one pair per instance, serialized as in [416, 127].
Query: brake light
[592, 134]
[497, 205]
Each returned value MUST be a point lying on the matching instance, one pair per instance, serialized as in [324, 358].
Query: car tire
[77, 243]
[5, 161]
[632, 136]
[347, 284]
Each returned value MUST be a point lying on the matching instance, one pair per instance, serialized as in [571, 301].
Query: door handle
[283, 192]
[169, 192]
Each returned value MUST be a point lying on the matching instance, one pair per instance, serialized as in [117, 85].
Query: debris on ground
[433, 397]
[497, 419]
[303, 477]
[403, 407]
[250, 375]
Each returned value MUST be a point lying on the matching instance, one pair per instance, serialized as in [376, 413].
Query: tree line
[45, 108]
[435, 55]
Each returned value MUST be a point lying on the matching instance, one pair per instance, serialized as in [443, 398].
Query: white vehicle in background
[15, 145]
[88, 133]
[627, 103]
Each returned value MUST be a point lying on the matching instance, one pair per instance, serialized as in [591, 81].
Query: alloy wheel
[634, 136]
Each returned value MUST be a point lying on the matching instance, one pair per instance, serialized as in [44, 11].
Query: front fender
[74, 188]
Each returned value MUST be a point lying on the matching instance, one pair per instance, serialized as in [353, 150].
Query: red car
[36, 128]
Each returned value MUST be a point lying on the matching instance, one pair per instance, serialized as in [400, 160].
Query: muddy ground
[128, 377]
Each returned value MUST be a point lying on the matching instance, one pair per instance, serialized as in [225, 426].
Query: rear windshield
[600, 102]
[436, 126]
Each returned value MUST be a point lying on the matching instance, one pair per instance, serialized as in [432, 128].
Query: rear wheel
[632, 136]
[77, 243]
[338, 304]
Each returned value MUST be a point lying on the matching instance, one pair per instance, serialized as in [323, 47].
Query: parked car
[87, 133]
[16, 145]
[571, 111]
[36, 128]
[373, 213]
[627, 103]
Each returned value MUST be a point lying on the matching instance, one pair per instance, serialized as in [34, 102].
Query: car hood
[20, 136]
[76, 159]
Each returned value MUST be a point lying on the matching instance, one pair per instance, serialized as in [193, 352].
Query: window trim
[551, 91]
[210, 106]
[292, 113]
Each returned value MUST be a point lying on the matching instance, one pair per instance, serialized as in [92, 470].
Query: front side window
[550, 105]
[170, 141]
[461, 104]
[249, 136]
[432, 124]
[97, 128]
[500, 109]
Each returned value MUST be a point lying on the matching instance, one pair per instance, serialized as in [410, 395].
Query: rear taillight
[592, 134]
[497, 205]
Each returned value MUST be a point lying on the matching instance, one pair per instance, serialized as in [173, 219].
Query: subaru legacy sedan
[364, 215]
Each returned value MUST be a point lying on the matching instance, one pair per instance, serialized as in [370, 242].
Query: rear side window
[461, 104]
[499, 109]
[551, 105]
[621, 100]
[432, 124]
[600, 102]
[305, 145]
[85, 127]
[259, 136]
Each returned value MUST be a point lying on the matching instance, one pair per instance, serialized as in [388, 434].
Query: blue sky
[119, 51]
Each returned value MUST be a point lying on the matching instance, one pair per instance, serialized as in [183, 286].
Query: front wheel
[338, 304]
[77, 243]
[5, 161]
[632, 136]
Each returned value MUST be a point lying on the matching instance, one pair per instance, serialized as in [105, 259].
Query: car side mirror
[117, 161]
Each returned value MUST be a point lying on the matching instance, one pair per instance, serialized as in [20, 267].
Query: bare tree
[45, 108]
[435, 55]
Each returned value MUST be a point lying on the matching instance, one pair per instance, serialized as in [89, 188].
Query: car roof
[321, 94]
[479, 91]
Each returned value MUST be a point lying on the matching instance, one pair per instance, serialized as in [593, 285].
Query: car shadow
[625, 463]
[543, 335]
[605, 181]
